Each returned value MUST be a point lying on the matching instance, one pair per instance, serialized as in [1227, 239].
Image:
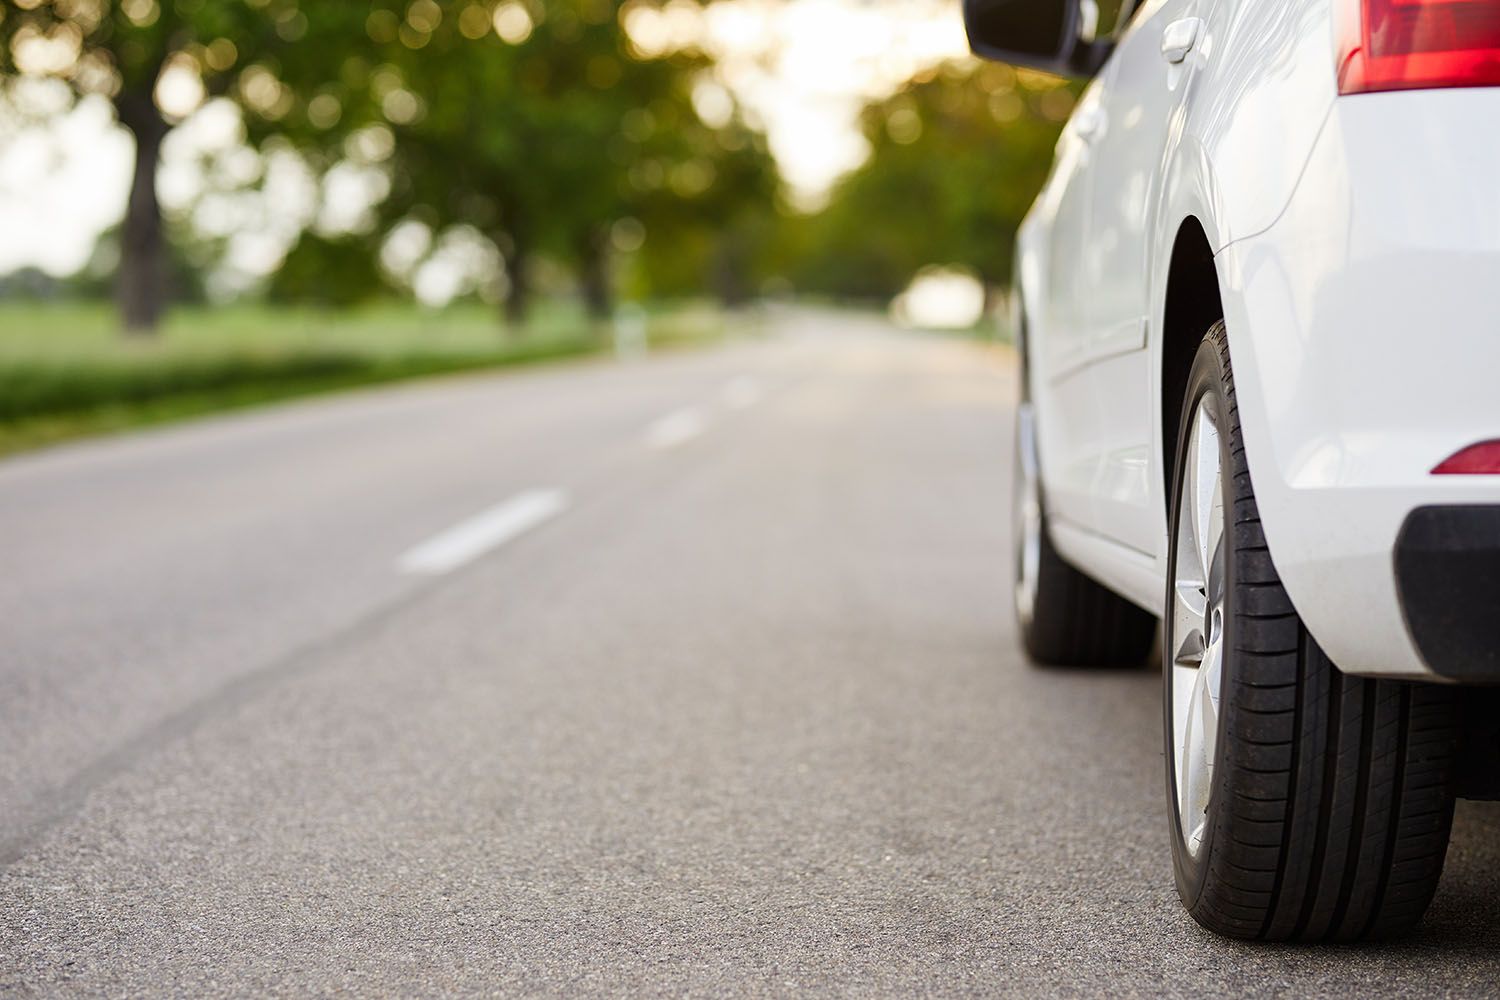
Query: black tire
[1069, 620]
[1331, 797]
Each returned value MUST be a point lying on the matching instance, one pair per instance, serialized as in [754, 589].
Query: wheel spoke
[1196, 774]
[1190, 567]
[1206, 705]
[1183, 681]
[1212, 668]
[1207, 499]
[1189, 651]
[1191, 753]
[1189, 605]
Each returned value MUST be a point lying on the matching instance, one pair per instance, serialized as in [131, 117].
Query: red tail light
[1412, 44]
[1482, 459]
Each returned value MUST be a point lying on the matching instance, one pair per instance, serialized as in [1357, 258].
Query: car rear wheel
[1305, 804]
[1065, 618]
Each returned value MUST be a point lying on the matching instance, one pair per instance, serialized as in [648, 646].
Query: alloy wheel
[1196, 638]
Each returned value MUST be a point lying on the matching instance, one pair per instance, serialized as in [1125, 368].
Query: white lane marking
[742, 392]
[486, 530]
[677, 427]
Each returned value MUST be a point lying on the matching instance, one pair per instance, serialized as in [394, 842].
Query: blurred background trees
[503, 149]
[122, 51]
[957, 156]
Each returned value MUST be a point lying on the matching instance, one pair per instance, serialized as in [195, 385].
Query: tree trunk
[141, 278]
[593, 263]
[518, 299]
[731, 261]
[993, 315]
[517, 258]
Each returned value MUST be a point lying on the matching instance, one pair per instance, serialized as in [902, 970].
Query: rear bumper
[1365, 335]
[1448, 579]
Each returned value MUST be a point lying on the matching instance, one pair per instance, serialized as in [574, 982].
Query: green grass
[66, 370]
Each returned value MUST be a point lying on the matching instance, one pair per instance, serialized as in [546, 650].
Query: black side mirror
[1041, 34]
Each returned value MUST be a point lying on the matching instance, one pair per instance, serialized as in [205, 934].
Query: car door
[1146, 79]
[1058, 338]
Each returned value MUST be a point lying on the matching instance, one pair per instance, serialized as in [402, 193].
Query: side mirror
[1051, 35]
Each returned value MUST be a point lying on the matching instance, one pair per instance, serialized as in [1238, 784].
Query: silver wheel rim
[1196, 641]
[1028, 517]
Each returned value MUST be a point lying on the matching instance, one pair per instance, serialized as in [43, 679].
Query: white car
[1258, 306]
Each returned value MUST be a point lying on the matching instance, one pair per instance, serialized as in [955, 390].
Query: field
[66, 370]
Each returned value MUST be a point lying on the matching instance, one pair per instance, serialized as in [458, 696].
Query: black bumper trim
[1448, 579]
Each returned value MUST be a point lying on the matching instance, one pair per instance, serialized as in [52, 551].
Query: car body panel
[1266, 84]
[1370, 351]
[1144, 104]
[1141, 101]
[1356, 241]
[1064, 204]
[1091, 327]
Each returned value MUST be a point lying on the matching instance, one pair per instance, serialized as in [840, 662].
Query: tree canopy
[532, 123]
[957, 156]
[122, 51]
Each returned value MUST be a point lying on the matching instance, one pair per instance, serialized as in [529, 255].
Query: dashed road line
[676, 428]
[485, 531]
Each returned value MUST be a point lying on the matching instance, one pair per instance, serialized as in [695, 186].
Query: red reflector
[1482, 459]
[1411, 44]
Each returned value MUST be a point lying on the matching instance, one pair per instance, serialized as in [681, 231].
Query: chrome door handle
[1179, 38]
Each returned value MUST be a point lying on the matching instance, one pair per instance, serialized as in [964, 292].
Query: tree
[534, 122]
[706, 225]
[122, 51]
[329, 272]
[957, 156]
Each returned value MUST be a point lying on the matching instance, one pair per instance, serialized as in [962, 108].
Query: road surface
[691, 675]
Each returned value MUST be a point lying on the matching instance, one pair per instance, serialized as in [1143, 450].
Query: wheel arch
[1193, 302]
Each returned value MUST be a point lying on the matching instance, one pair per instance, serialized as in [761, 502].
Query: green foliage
[63, 373]
[122, 47]
[713, 223]
[332, 272]
[31, 391]
[957, 157]
[533, 122]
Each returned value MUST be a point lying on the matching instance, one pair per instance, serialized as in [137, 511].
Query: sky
[802, 67]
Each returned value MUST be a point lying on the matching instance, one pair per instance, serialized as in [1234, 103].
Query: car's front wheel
[1305, 804]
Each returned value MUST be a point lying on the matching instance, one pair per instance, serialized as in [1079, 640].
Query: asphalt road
[684, 676]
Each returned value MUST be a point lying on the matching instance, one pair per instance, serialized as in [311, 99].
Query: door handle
[1179, 38]
[1088, 122]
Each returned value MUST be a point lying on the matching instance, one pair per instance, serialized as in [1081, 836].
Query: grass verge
[65, 372]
